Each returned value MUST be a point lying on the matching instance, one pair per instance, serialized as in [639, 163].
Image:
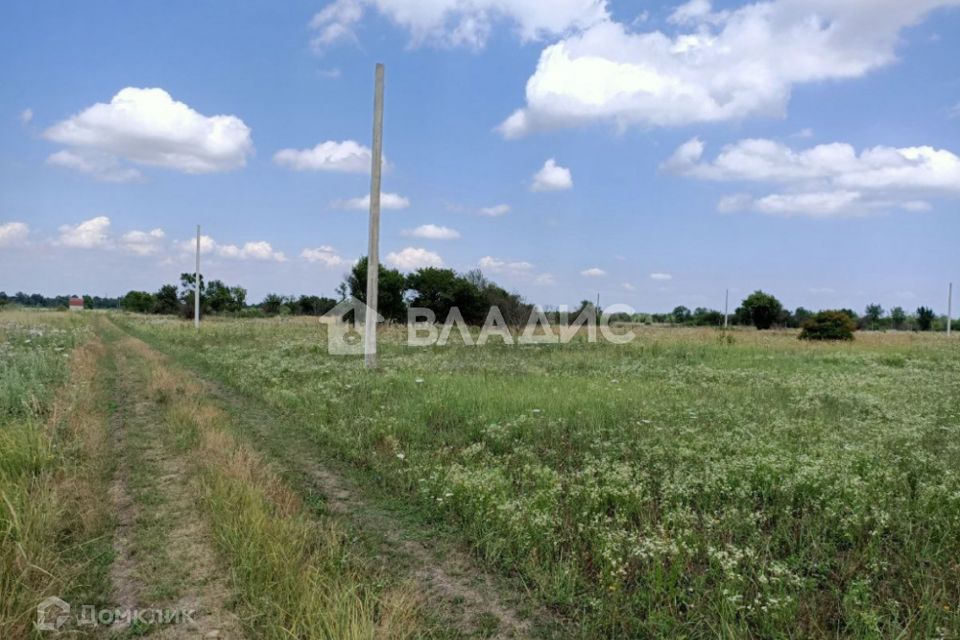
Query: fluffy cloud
[715, 66]
[593, 272]
[825, 180]
[259, 250]
[661, 276]
[552, 177]
[148, 127]
[26, 116]
[348, 156]
[433, 232]
[458, 22]
[143, 243]
[335, 23]
[89, 234]
[101, 166]
[13, 233]
[326, 256]
[412, 258]
[496, 265]
[387, 201]
[495, 210]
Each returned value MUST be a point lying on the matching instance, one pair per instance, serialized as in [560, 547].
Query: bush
[829, 325]
[762, 309]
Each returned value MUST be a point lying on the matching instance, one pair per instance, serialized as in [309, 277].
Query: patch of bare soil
[201, 584]
[446, 576]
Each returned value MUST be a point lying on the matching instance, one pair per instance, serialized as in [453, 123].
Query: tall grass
[296, 577]
[52, 452]
[678, 486]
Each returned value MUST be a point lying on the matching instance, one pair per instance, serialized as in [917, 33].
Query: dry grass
[295, 576]
[52, 483]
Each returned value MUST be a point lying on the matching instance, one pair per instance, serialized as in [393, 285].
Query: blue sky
[805, 147]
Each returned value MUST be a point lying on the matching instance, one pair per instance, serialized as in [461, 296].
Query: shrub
[761, 308]
[829, 325]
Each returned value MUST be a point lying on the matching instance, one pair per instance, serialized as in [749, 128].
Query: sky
[654, 154]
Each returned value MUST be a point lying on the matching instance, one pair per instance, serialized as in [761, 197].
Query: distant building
[76, 303]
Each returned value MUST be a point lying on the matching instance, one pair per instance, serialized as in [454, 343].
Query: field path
[472, 600]
[460, 595]
[163, 555]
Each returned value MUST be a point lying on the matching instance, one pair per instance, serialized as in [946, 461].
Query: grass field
[689, 484]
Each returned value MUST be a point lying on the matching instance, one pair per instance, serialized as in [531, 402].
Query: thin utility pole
[726, 307]
[196, 286]
[949, 307]
[373, 251]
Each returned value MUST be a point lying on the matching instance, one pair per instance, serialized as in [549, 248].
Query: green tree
[925, 317]
[167, 301]
[828, 325]
[138, 302]
[273, 304]
[898, 317]
[681, 315]
[872, 316]
[762, 309]
[391, 287]
[440, 290]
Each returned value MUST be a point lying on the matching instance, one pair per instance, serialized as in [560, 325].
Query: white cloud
[335, 23]
[348, 156]
[662, 277]
[593, 272]
[325, 255]
[552, 177]
[143, 243]
[387, 201]
[711, 66]
[89, 234]
[458, 22]
[101, 166]
[26, 116]
[259, 250]
[545, 279]
[826, 180]
[148, 127]
[412, 258]
[496, 265]
[495, 210]
[13, 233]
[626, 286]
[433, 232]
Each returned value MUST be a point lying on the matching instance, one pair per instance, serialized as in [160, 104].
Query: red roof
[76, 302]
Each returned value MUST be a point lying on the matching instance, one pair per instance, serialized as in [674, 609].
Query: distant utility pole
[373, 252]
[196, 286]
[949, 307]
[726, 307]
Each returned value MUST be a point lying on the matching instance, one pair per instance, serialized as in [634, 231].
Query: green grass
[52, 464]
[682, 485]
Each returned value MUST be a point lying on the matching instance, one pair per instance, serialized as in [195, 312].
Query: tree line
[763, 311]
[39, 301]
[472, 293]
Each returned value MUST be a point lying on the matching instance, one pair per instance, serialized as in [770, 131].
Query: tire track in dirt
[448, 576]
[199, 582]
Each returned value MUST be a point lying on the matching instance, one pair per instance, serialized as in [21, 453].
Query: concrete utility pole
[196, 286]
[373, 252]
[726, 306]
[949, 307]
